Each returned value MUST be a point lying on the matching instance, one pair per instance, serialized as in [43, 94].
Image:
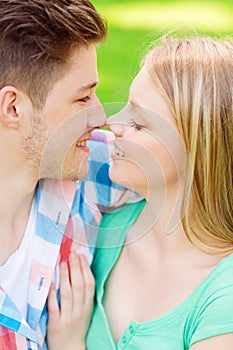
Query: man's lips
[83, 141]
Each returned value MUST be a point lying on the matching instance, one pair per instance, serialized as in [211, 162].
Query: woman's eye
[84, 99]
[135, 125]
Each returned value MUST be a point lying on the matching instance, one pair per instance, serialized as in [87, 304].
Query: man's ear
[9, 114]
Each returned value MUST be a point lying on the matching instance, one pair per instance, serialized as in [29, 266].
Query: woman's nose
[116, 124]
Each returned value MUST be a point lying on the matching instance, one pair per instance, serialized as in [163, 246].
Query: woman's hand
[68, 324]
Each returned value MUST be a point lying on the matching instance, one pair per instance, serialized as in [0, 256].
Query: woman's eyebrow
[134, 104]
[141, 112]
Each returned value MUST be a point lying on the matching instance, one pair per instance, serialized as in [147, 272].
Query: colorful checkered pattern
[67, 219]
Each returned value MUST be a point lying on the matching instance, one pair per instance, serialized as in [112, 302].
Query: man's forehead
[83, 56]
[83, 67]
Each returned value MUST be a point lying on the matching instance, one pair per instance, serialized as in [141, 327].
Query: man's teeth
[81, 143]
[119, 152]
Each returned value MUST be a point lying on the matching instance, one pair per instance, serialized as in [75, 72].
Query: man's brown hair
[38, 36]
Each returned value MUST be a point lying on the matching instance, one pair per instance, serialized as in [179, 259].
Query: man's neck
[16, 195]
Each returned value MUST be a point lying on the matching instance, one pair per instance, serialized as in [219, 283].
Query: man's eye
[135, 125]
[84, 99]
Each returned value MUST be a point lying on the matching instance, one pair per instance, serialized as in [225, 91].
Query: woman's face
[148, 154]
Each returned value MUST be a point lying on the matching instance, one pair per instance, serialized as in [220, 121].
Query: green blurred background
[134, 24]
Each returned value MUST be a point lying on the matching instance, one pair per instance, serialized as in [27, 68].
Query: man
[47, 74]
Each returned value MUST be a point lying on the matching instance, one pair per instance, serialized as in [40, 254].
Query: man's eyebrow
[87, 87]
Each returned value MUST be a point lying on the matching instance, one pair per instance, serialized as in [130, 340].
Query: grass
[133, 25]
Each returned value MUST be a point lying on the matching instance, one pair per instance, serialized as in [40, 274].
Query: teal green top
[207, 312]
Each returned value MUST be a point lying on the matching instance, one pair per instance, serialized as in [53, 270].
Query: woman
[164, 278]
[176, 281]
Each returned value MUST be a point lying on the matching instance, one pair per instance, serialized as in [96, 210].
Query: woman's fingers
[53, 307]
[88, 279]
[77, 286]
[76, 279]
[69, 321]
[82, 283]
[66, 302]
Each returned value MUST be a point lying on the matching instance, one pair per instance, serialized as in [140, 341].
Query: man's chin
[75, 175]
[54, 170]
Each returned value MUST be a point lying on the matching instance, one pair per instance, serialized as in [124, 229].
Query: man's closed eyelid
[84, 99]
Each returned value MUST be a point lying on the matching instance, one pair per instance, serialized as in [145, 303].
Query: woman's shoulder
[212, 311]
[222, 274]
[218, 282]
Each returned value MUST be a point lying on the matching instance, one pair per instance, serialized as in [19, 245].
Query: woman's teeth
[118, 152]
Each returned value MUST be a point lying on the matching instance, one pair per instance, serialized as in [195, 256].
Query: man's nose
[97, 115]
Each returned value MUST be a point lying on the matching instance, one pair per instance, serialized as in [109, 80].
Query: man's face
[56, 139]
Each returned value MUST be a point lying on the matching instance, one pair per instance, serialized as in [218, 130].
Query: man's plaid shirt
[67, 219]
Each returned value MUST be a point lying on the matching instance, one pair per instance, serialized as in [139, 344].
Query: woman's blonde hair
[195, 77]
